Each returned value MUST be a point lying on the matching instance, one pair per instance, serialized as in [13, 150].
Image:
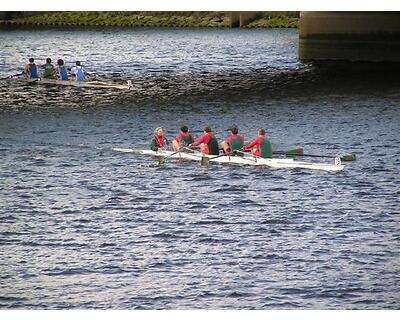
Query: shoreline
[150, 19]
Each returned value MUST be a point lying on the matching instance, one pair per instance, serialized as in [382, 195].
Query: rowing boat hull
[79, 84]
[246, 160]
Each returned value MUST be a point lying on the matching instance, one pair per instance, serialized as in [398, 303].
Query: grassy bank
[152, 19]
[275, 20]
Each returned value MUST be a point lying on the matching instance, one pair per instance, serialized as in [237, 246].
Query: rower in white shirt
[78, 71]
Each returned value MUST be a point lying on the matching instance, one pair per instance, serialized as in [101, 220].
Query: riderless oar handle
[292, 152]
[299, 152]
[344, 157]
[191, 148]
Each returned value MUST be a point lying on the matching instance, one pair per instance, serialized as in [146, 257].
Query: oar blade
[161, 160]
[348, 157]
[294, 152]
[205, 161]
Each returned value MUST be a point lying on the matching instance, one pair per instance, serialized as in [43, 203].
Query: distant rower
[159, 140]
[49, 71]
[208, 143]
[62, 73]
[234, 142]
[261, 146]
[183, 139]
[78, 71]
[31, 70]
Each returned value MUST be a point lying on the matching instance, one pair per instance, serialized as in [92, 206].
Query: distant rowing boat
[81, 84]
[246, 160]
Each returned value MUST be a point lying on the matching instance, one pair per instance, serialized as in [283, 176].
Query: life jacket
[213, 148]
[62, 72]
[33, 71]
[236, 144]
[160, 141]
[265, 148]
[80, 74]
[186, 140]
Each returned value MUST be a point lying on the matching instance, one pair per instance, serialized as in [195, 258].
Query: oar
[218, 156]
[12, 76]
[344, 157]
[221, 155]
[206, 160]
[161, 159]
[191, 148]
[203, 160]
[32, 80]
[299, 152]
[290, 153]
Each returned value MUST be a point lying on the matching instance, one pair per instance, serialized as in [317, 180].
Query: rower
[61, 70]
[183, 139]
[49, 70]
[233, 143]
[207, 142]
[78, 71]
[261, 146]
[31, 70]
[159, 140]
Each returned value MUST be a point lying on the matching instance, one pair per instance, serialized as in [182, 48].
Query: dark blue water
[84, 227]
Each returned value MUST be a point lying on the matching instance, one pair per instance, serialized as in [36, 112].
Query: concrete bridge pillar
[241, 19]
[352, 36]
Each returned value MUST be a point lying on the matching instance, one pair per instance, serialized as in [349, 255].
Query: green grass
[275, 20]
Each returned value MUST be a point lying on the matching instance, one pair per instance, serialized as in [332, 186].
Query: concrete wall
[240, 19]
[7, 15]
[353, 36]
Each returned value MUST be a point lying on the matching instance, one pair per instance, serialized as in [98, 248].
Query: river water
[84, 227]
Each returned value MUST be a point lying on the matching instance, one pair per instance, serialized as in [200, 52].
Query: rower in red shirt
[207, 142]
[261, 146]
[183, 139]
[234, 142]
[159, 140]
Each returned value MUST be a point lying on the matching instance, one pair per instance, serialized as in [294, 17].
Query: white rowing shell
[246, 160]
[80, 84]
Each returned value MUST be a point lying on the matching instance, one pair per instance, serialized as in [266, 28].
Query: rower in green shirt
[233, 143]
[261, 147]
[49, 70]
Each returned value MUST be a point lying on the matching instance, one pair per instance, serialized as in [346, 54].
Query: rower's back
[78, 71]
[212, 144]
[31, 70]
[266, 148]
